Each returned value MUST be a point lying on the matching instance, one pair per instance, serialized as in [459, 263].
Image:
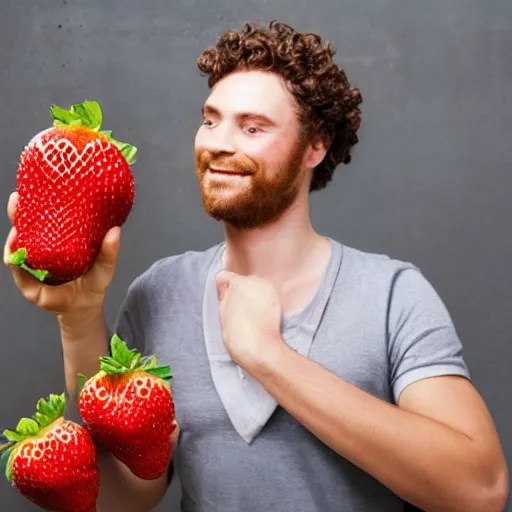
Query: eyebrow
[209, 109]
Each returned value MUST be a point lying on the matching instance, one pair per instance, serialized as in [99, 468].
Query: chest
[348, 342]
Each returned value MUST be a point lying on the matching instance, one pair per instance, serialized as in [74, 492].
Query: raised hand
[78, 298]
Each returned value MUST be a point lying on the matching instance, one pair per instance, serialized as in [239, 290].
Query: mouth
[226, 172]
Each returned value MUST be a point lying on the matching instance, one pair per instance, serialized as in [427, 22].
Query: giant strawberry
[74, 184]
[51, 461]
[128, 408]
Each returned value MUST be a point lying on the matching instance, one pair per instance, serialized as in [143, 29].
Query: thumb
[102, 272]
[12, 204]
[224, 280]
[110, 247]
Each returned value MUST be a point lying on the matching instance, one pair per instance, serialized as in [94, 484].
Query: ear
[315, 153]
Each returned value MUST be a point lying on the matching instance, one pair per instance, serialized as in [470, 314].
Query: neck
[278, 252]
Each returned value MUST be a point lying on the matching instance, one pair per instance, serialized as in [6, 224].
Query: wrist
[271, 359]
[73, 324]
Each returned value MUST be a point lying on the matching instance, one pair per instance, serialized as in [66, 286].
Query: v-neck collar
[247, 403]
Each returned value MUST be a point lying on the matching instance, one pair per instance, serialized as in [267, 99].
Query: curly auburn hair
[327, 105]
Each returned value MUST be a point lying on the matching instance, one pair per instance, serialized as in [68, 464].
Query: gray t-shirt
[375, 322]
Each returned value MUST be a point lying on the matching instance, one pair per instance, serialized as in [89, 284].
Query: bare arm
[438, 450]
[83, 343]
[120, 490]
[78, 306]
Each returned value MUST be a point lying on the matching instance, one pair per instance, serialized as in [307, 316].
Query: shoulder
[179, 269]
[403, 283]
[391, 283]
[373, 268]
[421, 338]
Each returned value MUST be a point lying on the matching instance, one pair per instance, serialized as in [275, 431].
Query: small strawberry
[74, 183]
[128, 408]
[51, 461]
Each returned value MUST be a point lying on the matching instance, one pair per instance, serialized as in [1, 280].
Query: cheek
[271, 152]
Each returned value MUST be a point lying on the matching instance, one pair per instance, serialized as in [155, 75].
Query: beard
[261, 200]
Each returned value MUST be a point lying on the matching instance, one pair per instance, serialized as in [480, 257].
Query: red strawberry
[128, 408]
[74, 184]
[51, 461]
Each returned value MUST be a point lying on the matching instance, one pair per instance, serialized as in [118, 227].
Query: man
[308, 376]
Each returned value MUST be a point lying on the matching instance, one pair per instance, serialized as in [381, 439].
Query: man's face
[247, 152]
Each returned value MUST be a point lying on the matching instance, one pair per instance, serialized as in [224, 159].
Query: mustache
[241, 165]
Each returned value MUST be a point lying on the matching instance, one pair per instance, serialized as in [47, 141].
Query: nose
[219, 139]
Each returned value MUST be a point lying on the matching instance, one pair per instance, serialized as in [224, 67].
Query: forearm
[83, 343]
[122, 491]
[426, 463]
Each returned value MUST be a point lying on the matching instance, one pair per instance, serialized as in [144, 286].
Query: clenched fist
[250, 314]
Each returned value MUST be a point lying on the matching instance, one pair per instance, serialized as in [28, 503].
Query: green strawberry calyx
[19, 257]
[48, 411]
[124, 360]
[89, 114]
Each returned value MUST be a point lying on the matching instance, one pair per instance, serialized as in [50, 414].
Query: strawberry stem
[5, 444]
[5, 453]
[124, 360]
[47, 412]
[164, 372]
[89, 114]
[20, 257]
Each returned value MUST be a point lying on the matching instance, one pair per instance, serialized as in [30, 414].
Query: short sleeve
[423, 341]
[128, 325]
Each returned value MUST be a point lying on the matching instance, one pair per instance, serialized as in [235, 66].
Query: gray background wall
[430, 180]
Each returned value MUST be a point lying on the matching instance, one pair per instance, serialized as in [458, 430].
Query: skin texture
[254, 186]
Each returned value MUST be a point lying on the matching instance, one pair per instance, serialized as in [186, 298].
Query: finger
[12, 203]
[103, 269]
[110, 247]
[27, 283]
[175, 436]
[224, 279]
[111, 243]
[7, 247]
[176, 431]
[29, 286]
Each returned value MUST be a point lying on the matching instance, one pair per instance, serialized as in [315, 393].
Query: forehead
[252, 91]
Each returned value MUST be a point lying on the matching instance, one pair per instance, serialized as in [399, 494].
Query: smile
[226, 172]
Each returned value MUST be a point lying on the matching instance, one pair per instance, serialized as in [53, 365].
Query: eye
[253, 130]
[207, 122]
